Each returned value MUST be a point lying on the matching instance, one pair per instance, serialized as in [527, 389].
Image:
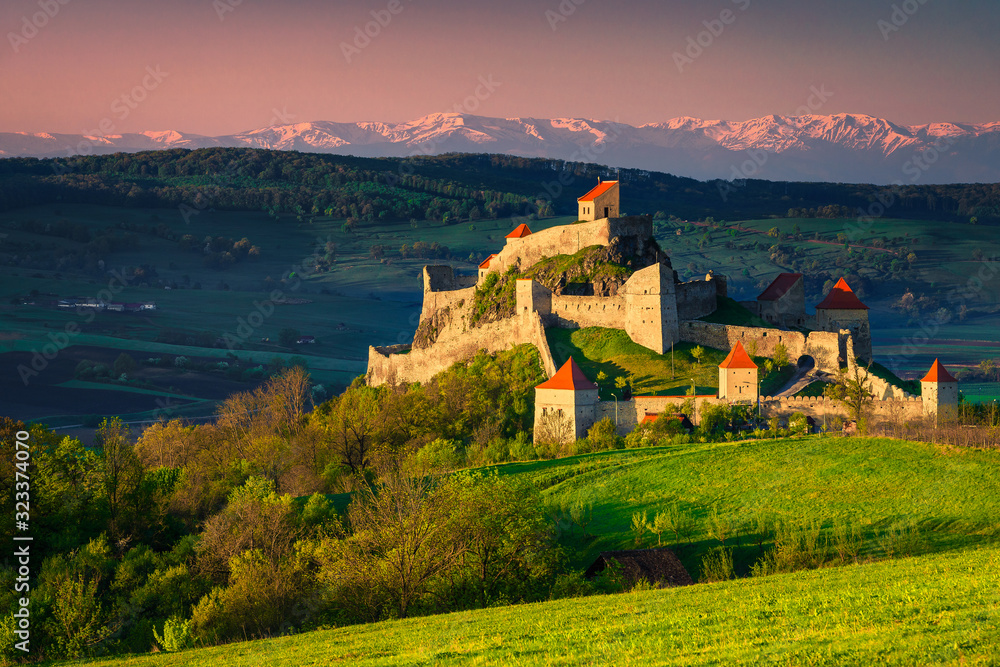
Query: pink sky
[606, 60]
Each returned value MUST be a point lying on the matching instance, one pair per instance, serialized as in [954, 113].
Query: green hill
[934, 609]
[947, 497]
[860, 603]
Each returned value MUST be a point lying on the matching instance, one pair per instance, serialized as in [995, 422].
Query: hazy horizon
[218, 67]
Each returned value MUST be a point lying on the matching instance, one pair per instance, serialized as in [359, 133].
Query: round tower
[939, 393]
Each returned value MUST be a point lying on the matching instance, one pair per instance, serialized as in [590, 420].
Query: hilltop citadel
[524, 289]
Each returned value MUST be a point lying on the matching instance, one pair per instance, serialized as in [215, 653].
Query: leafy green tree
[780, 356]
[122, 476]
[287, 337]
[853, 390]
[124, 365]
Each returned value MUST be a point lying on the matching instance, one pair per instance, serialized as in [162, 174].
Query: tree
[854, 392]
[403, 535]
[288, 337]
[780, 356]
[697, 353]
[554, 428]
[258, 426]
[122, 475]
[352, 426]
[503, 527]
[124, 365]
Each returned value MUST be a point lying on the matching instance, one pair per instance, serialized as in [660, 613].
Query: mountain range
[848, 148]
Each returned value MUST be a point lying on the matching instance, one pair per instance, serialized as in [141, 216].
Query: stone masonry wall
[823, 346]
[695, 298]
[570, 239]
[587, 311]
[820, 406]
[561, 240]
[387, 365]
[443, 289]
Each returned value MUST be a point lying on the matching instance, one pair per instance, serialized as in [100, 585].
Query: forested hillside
[448, 187]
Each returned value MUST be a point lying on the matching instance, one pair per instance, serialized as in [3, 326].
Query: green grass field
[942, 606]
[951, 495]
[612, 352]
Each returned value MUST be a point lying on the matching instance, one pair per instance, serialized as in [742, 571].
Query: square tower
[651, 308]
[842, 309]
[939, 393]
[599, 203]
[738, 376]
[565, 405]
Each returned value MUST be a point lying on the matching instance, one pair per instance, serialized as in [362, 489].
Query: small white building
[565, 405]
[601, 202]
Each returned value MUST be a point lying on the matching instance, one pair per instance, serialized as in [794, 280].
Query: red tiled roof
[738, 358]
[486, 262]
[841, 297]
[938, 373]
[649, 419]
[779, 286]
[599, 190]
[568, 377]
[520, 232]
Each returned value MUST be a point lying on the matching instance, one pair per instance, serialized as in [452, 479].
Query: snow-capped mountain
[841, 147]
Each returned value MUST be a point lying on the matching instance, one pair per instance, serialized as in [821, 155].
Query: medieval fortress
[656, 310]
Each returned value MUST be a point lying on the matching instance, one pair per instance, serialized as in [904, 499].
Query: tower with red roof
[842, 309]
[738, 376]
[784, 301]
[939, 393]
[601, 202]
[565, 405]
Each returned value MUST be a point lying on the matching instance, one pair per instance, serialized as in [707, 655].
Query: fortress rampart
[394, 364]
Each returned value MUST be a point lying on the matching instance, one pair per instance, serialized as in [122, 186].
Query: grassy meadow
[949, 498]
[940, 605]
[612, 352]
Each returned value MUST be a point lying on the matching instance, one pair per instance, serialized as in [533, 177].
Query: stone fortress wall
[652, 307]
[646, 306]
[404, 363]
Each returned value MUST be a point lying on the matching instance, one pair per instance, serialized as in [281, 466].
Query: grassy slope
[953, 495]
[941, 608]
[597, 349]
[613, 352]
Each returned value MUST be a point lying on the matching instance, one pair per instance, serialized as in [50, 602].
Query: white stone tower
[565, 405]
[738, 376]
[939, 392]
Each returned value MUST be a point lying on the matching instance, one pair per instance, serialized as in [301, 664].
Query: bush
[572, 585]
[717, 565]
[176, 634]
[603, 436]
[441, 454]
